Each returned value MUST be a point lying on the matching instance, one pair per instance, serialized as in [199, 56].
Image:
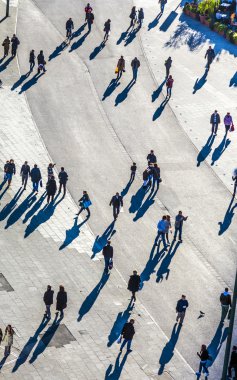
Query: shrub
[221, 27]
[208, 6]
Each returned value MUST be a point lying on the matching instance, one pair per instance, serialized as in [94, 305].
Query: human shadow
[110, 89]
[233, 81]
[72, 233]
[101, 241]
[164, 271]
[2, 362]
[58, 50]
[145, 206]
[4, 191]
[154, 258]
[20, 81]
[206, 150]
[126, 189]
[168, 21]
[91, 298]
[28, 347]
[157, 92]
[123, 95]
[200, 82]
[5, 64]
[219, 150]
[19, 211]
[31, 82]
[137, 199]
[155, 22]
[168, 350]
[35, 207]
[79, 42]
[46, 339]
[2, 184]
[122, 37]
[97, 50]
[216, 342]
[228, 217]
[11, 205]
[131, 36]
[160, 109]
[78, 31]
[121, 319]
[118, 367]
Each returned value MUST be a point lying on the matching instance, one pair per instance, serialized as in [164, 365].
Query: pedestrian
[133, 171]
[8, 340]
[228, 121]
[132, 17]
[61, 301]
[69, 27]
[210, 55]
[41, 62]
[181, 308]
[135, 65]
[233, 363]
[36, 178]
[107, 30]
[204, 356]
[1, 335]
[140, 17]
[151, 158]
[90, 20]
[127, 334]
[15, 42]
[51, 189]
[215, 121]
[147, 177]
[108, 253]
[6, 45]
[156, 176]
[120, 67]
[167, 228]
[225, 300]
[178, 226]
[50, 170]
[63, 178]
[25, 172]
[117, 203]
[32, 59]
[48, 300]
[84, 203]
[234, 177]
[134, 284]
[5, 171]
[168, 64]
[10, 171]
[162, 5]
[169, 86]
[88, 10]
[161, 228]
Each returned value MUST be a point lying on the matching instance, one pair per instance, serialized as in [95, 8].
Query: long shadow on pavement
[123, 95]
[164, 266]
[131, 36]
[72, 233]
[5, 64]
[168, 350]
[200, 82]
[122, 37]
[4, 192]
[154, 258]
[219, 150]
[30, 82]
[79, 42]
[118, 367]
[227, 218]
[206, 150]
[121, 319]
[168, 21]
[19, 211]
[91, 298]
[157, 92]
[217, 341]
[35, 208]
[11, 205]
[78, 32]
[110, 89]
[101, 241]
[136, 200]
[97, 50]
[160, 109]
[155, 22]
[58, 50]
[20, 81]
[145, 206]
[233, 81]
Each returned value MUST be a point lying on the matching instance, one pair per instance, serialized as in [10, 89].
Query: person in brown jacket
[121, 67]
[6, 45]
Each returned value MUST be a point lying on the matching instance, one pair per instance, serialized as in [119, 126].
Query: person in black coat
[233, 363]
[151, 158]
[127, 333]
[10, 169]
[32, 59]
[133, 171]
[156, 176]
[63, 178]
[168, 64]
[25, 172]
[35, 178]
[204, 356]
[51, 189]
[90, 20]
[15, 42]
[48, 300]
[215, 121]
[108, 253]
[85, 203]
[41, 62]
[61, 300]
[210, 55]
[116, 202]
[134, 284]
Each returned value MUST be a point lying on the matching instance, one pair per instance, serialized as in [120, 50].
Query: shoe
[180, 240]
[129, 350]
[120, 350]
[198, 374]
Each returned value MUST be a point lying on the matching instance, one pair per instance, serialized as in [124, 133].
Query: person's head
[134, 272]
[234, 348]
[152, 152]
[41, 51]
[168, 217]
[132, 321]
[164, 217]
[84, 192]
[49, 287]
[155, 165]
[203, 347]
[11, 161]
[134, 163]
[215, 111]
[121, 57]
[26, 162]
[61, 288]
[70, 18]
[170, 77]
[226, 289]
[228, 113]
[50, 165]
[135, 58]
[109, 20]
[183, 297]
[108, 242]
[209, 48]
[62, 169]
[14, 35]
[35, 166]
[88, 4]
[180, 212]
[169, 58]
[117, 194]
[9, 329]
[7, 37]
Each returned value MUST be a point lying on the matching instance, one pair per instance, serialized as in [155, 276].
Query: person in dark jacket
[88, 9]
[35, 178]
[48, 300]
[50, 170]
[215, 121]
[140, 17]
[132, 17]
[107, 30]
[63, 178]
[10, 171]
[15, 42]
[6, 44]
[133, 171]
[61, 300]
[168, 64]
[108, 253]
[127, 333]
[156, 176]
[116, 202]
[178, 225]
[210, 55]
[51, 189]
[69, 27]
[233, 363]
[181, 308]
[151, 158]
[85, 203]
[204, 356]
[41, 62]
[90, 20]
[134, 284]
[135, 65]
[120, 67]
[32, 59]
[25, 172]
[225, 300]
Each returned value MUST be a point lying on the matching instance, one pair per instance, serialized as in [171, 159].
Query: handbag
[116, 70]
[87, 204]
[232, 128]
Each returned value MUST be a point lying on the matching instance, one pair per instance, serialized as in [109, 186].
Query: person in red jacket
[169, 85]
[88, 10]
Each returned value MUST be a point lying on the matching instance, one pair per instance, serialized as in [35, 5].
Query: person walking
[108, 253]
[161, 228]
[132, 17]
[50, 170]
[116, 202]
[210, 55]
[8, 340]
[225, 300]
[41, 62]
[84, 203]
[1, 336]
[134, 284]
[162, 5]
[120, 67]
[168, 64]
[51, 189]
[32, 59]
[15, 42]
[215, 121]
[181, 308]
[61, 301]
[5, 171]
[135, 65]
[204, 356]
[151, 158]
[133, 171]
[147, 177]
[107, 30]
[35, 175]
[228, 121]
[234, 177]
[63, 178]
[178, 226]
[88, 10]
[169, 86]
[127, 334]
[90, 20]
[140, 17]
[25, 172]
[69, 27]
[48, 300]
[233, 363]
[10, 171]
[6, 46]
[156, 176]
[167, 229]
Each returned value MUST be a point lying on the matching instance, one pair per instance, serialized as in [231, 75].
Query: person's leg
[88, 211]
[178, 316]
[163, 240]
[134, 296]
[52, 198]
[182, 314]
[175, 232]
[106, 259]
[230, 371]
[129, 345]
[48, 198]
[157, 238]
[167, 237]
[25, 182]
[180, 232]
[60, 187]
[224, 312]
[81, 209]
[64, 189]
[216, 128]
[123, 344]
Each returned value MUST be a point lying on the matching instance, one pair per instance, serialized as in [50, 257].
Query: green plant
[216, 25]
[234, 37]
[229, 34]
[208, 6]
[221, 27]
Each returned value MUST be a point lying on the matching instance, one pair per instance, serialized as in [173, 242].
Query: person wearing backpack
[204, 356]
[225, 300]
[169, 86]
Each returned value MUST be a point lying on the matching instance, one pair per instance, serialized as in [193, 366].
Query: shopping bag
[121, 209]
[232, 128]
[87, 204]
[116, 70]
